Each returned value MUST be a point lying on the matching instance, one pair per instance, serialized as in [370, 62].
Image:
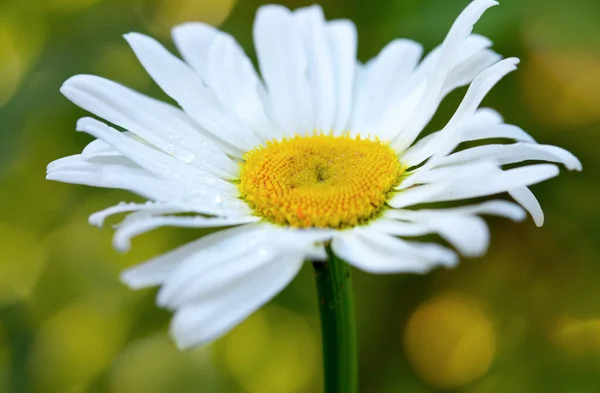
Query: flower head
[319, 181]
[319, 150]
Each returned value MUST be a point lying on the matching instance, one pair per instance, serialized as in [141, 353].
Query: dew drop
[187, 156]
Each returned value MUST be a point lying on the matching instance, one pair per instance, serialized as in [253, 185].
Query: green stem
[336, 305]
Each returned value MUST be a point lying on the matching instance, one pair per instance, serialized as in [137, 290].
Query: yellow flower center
[319, 180]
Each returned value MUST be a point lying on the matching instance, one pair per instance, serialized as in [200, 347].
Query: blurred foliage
[525, 318]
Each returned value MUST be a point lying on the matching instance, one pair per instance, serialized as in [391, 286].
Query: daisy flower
[318, 154]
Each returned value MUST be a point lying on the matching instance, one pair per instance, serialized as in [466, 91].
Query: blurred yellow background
[525, 318]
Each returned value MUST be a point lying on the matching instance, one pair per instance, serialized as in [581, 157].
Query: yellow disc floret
[319, 181]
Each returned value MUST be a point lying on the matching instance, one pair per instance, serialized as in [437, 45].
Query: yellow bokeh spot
[319, 180]
[12, 65]
[80, 341]
[76, 238]
[21, 38]
[578, 337]
[21, 263]
[450, 341]
[161, 15]
[563, 88]
[154, 365]
[275, 350]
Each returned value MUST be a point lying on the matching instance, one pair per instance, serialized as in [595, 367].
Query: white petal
[488, 115]
[75, 169]
[476, 186]
[504, 181]
[119, 175]
[499, 208]
[227, 71]
[379, 253]
[387, 73]
[450, 136]
[493, 208]
[153, 208]
[153, 160]
[92, 174]
[507, 131]
[261, 241]
[387, 224]
[215, 274]
[225, 68]
[416, 195]
[230, 275]
[142, 222]
[74, 162]
[483, 119]
[469, 234]
[99, 148]
[470, 47]
[236, 84]
[212, 316]
[460, 30]
[160, 124]
[185, 86]
[97, 219]
[437, 68]
[361, 73]
[525, 198]
[481, 85]
[422, 150]
[194, 40]
[462, 74]
[514, 153]
[484, 124]
[445, 174]
[473, 45]
[158, 270]
[342, 41]
[320, 71]
[283, 64]
[397, 116]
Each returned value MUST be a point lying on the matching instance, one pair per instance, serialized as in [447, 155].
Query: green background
[524, 318]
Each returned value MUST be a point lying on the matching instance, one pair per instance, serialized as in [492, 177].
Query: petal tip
[134, 38]
[182, 343]
[271, 10]
[130, 278]
[538, 221]
[126, 278]
[83, 124]
[193, 25]
[121, 244]
[131, 35]
[452, 260]
[96, 220]
[487, 3]
[183, 337]
[520, 216]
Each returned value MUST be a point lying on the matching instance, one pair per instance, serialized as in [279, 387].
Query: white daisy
[319, 150]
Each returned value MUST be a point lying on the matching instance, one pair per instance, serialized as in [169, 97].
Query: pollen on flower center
[319, 180]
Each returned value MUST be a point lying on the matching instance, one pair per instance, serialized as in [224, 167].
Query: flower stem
[336, 305]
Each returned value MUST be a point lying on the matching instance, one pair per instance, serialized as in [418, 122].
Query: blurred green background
[525, 318]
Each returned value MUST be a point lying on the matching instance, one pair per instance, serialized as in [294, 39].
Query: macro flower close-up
[314, 154]
[299, 196]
